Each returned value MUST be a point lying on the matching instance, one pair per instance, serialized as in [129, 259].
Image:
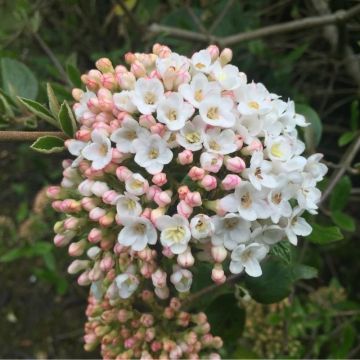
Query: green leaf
[53, 101]
[300, 271]
[274, 284]
[347, 137]
[67, 119]
[313, 132]
[282, 250]
[74, 75]
[17, 79]
[340, 195]
[323, 235]
[27, 251]
[346, 222]
[48, 144]
[39, 110]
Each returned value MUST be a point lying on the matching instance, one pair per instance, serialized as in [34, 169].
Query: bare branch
[28, 135]
[221, 16]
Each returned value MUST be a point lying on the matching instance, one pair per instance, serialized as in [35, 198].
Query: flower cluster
[178, 161]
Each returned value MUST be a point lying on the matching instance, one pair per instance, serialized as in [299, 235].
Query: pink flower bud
[104, 65]
[163, 198]
[70, 205]
[159, 278]
[105, 99]
[56, 205]
[235, 164]
[214, 52]
[61, 240]
[186, 259]
[156, 213]
[99, 188]
[158, 129]
[96, 213]
[166, 251]
[182, 77]
[126, 80]
[138, 69]
[211, 162]
[72, 223]
[193, 199]
[95, 235]
[218, 253]
[123, 173]
[147, 121]
[83, 135]
[185, 157]
[226, 56]
[107, 219]
[184, 209]
[77, 248]
[54, 192]
[108, 81]
[156, 346]
[146, 270]
[217, 274]
[183, 191]
[255, 145]
[77, 266]
[146, 213]
[159, 179]
[230, 182]
[196, 173]
[209, 182]
[83, 279]
[77, 94]
[152, 191]
[89, 203]
[95, 273]
[107, 263]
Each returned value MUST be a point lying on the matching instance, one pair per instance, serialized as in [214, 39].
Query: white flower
[211, 162]
[128, 205]
[182, 279]
[124, 136]
[254, 99]
[137, 233]
[308, 196]
[201, 226]
[174, 61]
[260, 172]
[278, 200]
[136, 184]
[192, 134]
[75, 148]
[201, 61]
[175, 232]
[152, 153]
[228, 76]
[199, 89]
[297, 226]
[220, 142]
[147, 94]
[126, 284]
[248, 257]
[173, 111]
[217, 111]
[230, 230]
[81, 107]
[315, 168]
[267, 234]
[99, 151]
[279, 148]
[250, 202]
[123, 102]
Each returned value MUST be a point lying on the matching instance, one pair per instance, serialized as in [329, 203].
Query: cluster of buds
[179, 161]
[123, 332]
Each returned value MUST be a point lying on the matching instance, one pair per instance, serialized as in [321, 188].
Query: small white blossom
[297, 226]
[128, 205]
[228, 76]
[152, 153]
[248, 257]
[99, 151]
[126, 285]
[123, 102]
[137, 232]
[175, 232]
[201, 61]
[201, 226]
[81, 107]
[191, 135]
[267, 234]
[147, 95]
[182, 279]
[136, 184]
[220, 142]
[254, 99]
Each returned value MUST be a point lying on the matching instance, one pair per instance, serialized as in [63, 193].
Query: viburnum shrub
[179, 162]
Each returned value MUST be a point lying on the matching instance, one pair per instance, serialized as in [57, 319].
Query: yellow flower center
[213, 113]
[193, 137]
[150, 98]
[175, 234]
[153, 153]
[246, 200]
[254, 105]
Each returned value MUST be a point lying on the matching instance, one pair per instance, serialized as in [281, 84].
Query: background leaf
[48, 144]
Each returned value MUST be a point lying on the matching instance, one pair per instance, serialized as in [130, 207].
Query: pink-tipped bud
[77, 94]
[255, 145]
[89, 203]
[186, 259]
[182, 77]
[193, 199]
[214, 52]
[77, 266]
[99, 188]
[108, 81]
[110, 197]
[126, 80]
[83, 135]
[159, 179]
[96, 213]
[219, 253]
[123, 173]
[196, 173]
[77, 248]
[217, 274]
[108, 219]
[105, 100]
[163, 198]
[158, 129]
[183, 191]
[95, 235]
[107, 263]
[185, 157]
[159, 278]
[61, 240]
[156, 213]
[184, 209]
[138, 69]
[226, 56]
[104, 65]
[129, 58]
[147, 121]
[230, 182]
[209, 182]
[54, 192]
[117, 157]
[235, 164]
[83, 279]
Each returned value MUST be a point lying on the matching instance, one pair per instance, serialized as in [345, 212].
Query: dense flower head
[179, 161]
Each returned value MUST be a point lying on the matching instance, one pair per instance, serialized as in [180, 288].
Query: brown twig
[28, 135]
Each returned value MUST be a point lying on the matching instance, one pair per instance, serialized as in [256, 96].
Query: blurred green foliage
[46, 45]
